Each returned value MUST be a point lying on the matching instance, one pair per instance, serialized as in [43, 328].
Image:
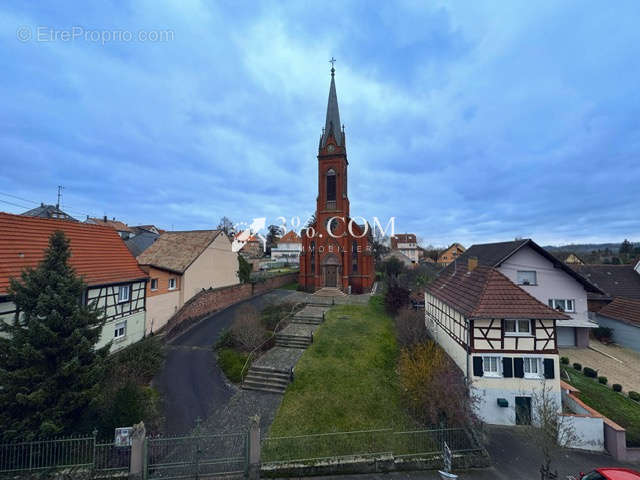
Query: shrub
[590, 372]
[272, 314]
[231, 363]
[433, 388]
[395, 299]
[129, 405]
[225, 340]
[603, 380]
[634, 396]
[410, 328]
[577, 366]
[602, 333]
[247, 328]
[564, 360]
[616, 387]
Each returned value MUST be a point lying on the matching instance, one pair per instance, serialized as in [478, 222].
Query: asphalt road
[191, 383]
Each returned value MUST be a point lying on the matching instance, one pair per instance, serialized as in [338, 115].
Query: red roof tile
[624, 309]
[116, 224]
[484, 292]
[97, 253]
[290, 237]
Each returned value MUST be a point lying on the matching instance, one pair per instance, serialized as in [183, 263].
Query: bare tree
[410, 328]
[550, 430]
[247, 328]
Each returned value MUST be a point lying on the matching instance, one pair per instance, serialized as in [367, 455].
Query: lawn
[616, 406]
[347, 379]
[290, 286]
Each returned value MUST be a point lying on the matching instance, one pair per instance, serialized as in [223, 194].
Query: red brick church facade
[340, 256]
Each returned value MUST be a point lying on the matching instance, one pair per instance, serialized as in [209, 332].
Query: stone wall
[211, 300]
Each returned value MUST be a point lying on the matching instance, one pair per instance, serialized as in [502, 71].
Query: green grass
[347, 379]
[290, 286]
[616, 406]
[231, 362]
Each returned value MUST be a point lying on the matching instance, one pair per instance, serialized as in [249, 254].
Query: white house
[502, 339]
[114, 280]
[288, 248]
[407, 244]
[544, 277]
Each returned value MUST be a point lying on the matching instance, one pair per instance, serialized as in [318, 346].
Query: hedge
[564, 360]
[634, 396]
[603, 380]
[617, 387]
[577, 366]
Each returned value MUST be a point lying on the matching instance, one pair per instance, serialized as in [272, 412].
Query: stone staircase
[267, 379]
[292, 341]
[309, 315]
[329, 292]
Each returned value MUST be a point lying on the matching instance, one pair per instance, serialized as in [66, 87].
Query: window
[331, 185]
[120, 330]
[172, 284]
[527, 277]
[313, 257]
[564, 305]
[517, 327]
[593, 476]
[123, 293]
[532, 367]
[354, 256]
[154, 284]
[491, 366]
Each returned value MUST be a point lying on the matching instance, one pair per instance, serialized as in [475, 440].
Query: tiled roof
[624, 309]
[175, 251]
[48, 211]
[116, 224]
[614, 280]
[141, 242]
[484, 292]
[290, 237]
[402, 238]
[97, 253]
[494, 254]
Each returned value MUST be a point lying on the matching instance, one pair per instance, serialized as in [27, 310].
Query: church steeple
[332, 127]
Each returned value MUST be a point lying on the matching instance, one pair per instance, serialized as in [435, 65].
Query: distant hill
[586, 247]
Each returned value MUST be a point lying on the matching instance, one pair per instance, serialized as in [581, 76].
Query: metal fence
[343, 445]
[196, 456]
[79, 453]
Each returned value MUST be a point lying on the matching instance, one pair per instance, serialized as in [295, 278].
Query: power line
[14, 204]
[18, 198]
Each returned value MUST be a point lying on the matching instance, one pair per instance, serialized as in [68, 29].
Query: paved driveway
[624, 368]
[191, 383]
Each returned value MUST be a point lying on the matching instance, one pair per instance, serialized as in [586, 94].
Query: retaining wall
[211, 300]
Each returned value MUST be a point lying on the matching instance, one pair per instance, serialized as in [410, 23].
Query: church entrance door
[331, 276]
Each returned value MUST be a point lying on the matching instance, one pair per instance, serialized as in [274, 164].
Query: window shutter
[518, 367]
[549, 371]
[477, 367]
[507, 367]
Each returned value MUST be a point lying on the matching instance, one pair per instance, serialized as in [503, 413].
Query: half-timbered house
[114, 280]
[502, 338]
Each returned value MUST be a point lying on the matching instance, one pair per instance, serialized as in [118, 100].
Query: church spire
[332, 123]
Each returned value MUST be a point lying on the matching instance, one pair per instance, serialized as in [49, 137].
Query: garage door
[566, 337]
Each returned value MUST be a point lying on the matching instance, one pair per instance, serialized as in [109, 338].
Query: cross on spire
[332, 62]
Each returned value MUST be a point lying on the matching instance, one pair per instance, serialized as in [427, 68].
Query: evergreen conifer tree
[49, 367]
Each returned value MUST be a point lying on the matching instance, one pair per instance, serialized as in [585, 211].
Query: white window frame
[490, 373]
[120, 330]
[539, 367]
[175, 283]
[527, 283]
[517, 332]
[124, 288]
[553, 303]
[153, 289]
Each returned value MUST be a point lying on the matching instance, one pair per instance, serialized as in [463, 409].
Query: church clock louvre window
[331, 188]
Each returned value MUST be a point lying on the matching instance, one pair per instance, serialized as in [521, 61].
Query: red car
[611, 474]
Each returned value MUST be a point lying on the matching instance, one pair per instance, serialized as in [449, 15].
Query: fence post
[138, 440]
[95, 441]
[254, 447]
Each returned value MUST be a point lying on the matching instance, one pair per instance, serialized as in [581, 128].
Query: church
[336, 251]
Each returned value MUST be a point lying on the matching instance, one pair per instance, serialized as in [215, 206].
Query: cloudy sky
[469, 122]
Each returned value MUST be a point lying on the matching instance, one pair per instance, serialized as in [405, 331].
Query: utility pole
[60, 188]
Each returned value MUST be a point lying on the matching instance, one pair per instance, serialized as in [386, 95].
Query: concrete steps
[307, 320]
[266, 379]
[292, 341]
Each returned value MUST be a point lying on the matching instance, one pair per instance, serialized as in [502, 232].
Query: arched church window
[354, 256]
[313, 256]
[331, 187]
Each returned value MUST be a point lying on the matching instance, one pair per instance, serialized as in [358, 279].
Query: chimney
[104, 219]
[472, 264]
